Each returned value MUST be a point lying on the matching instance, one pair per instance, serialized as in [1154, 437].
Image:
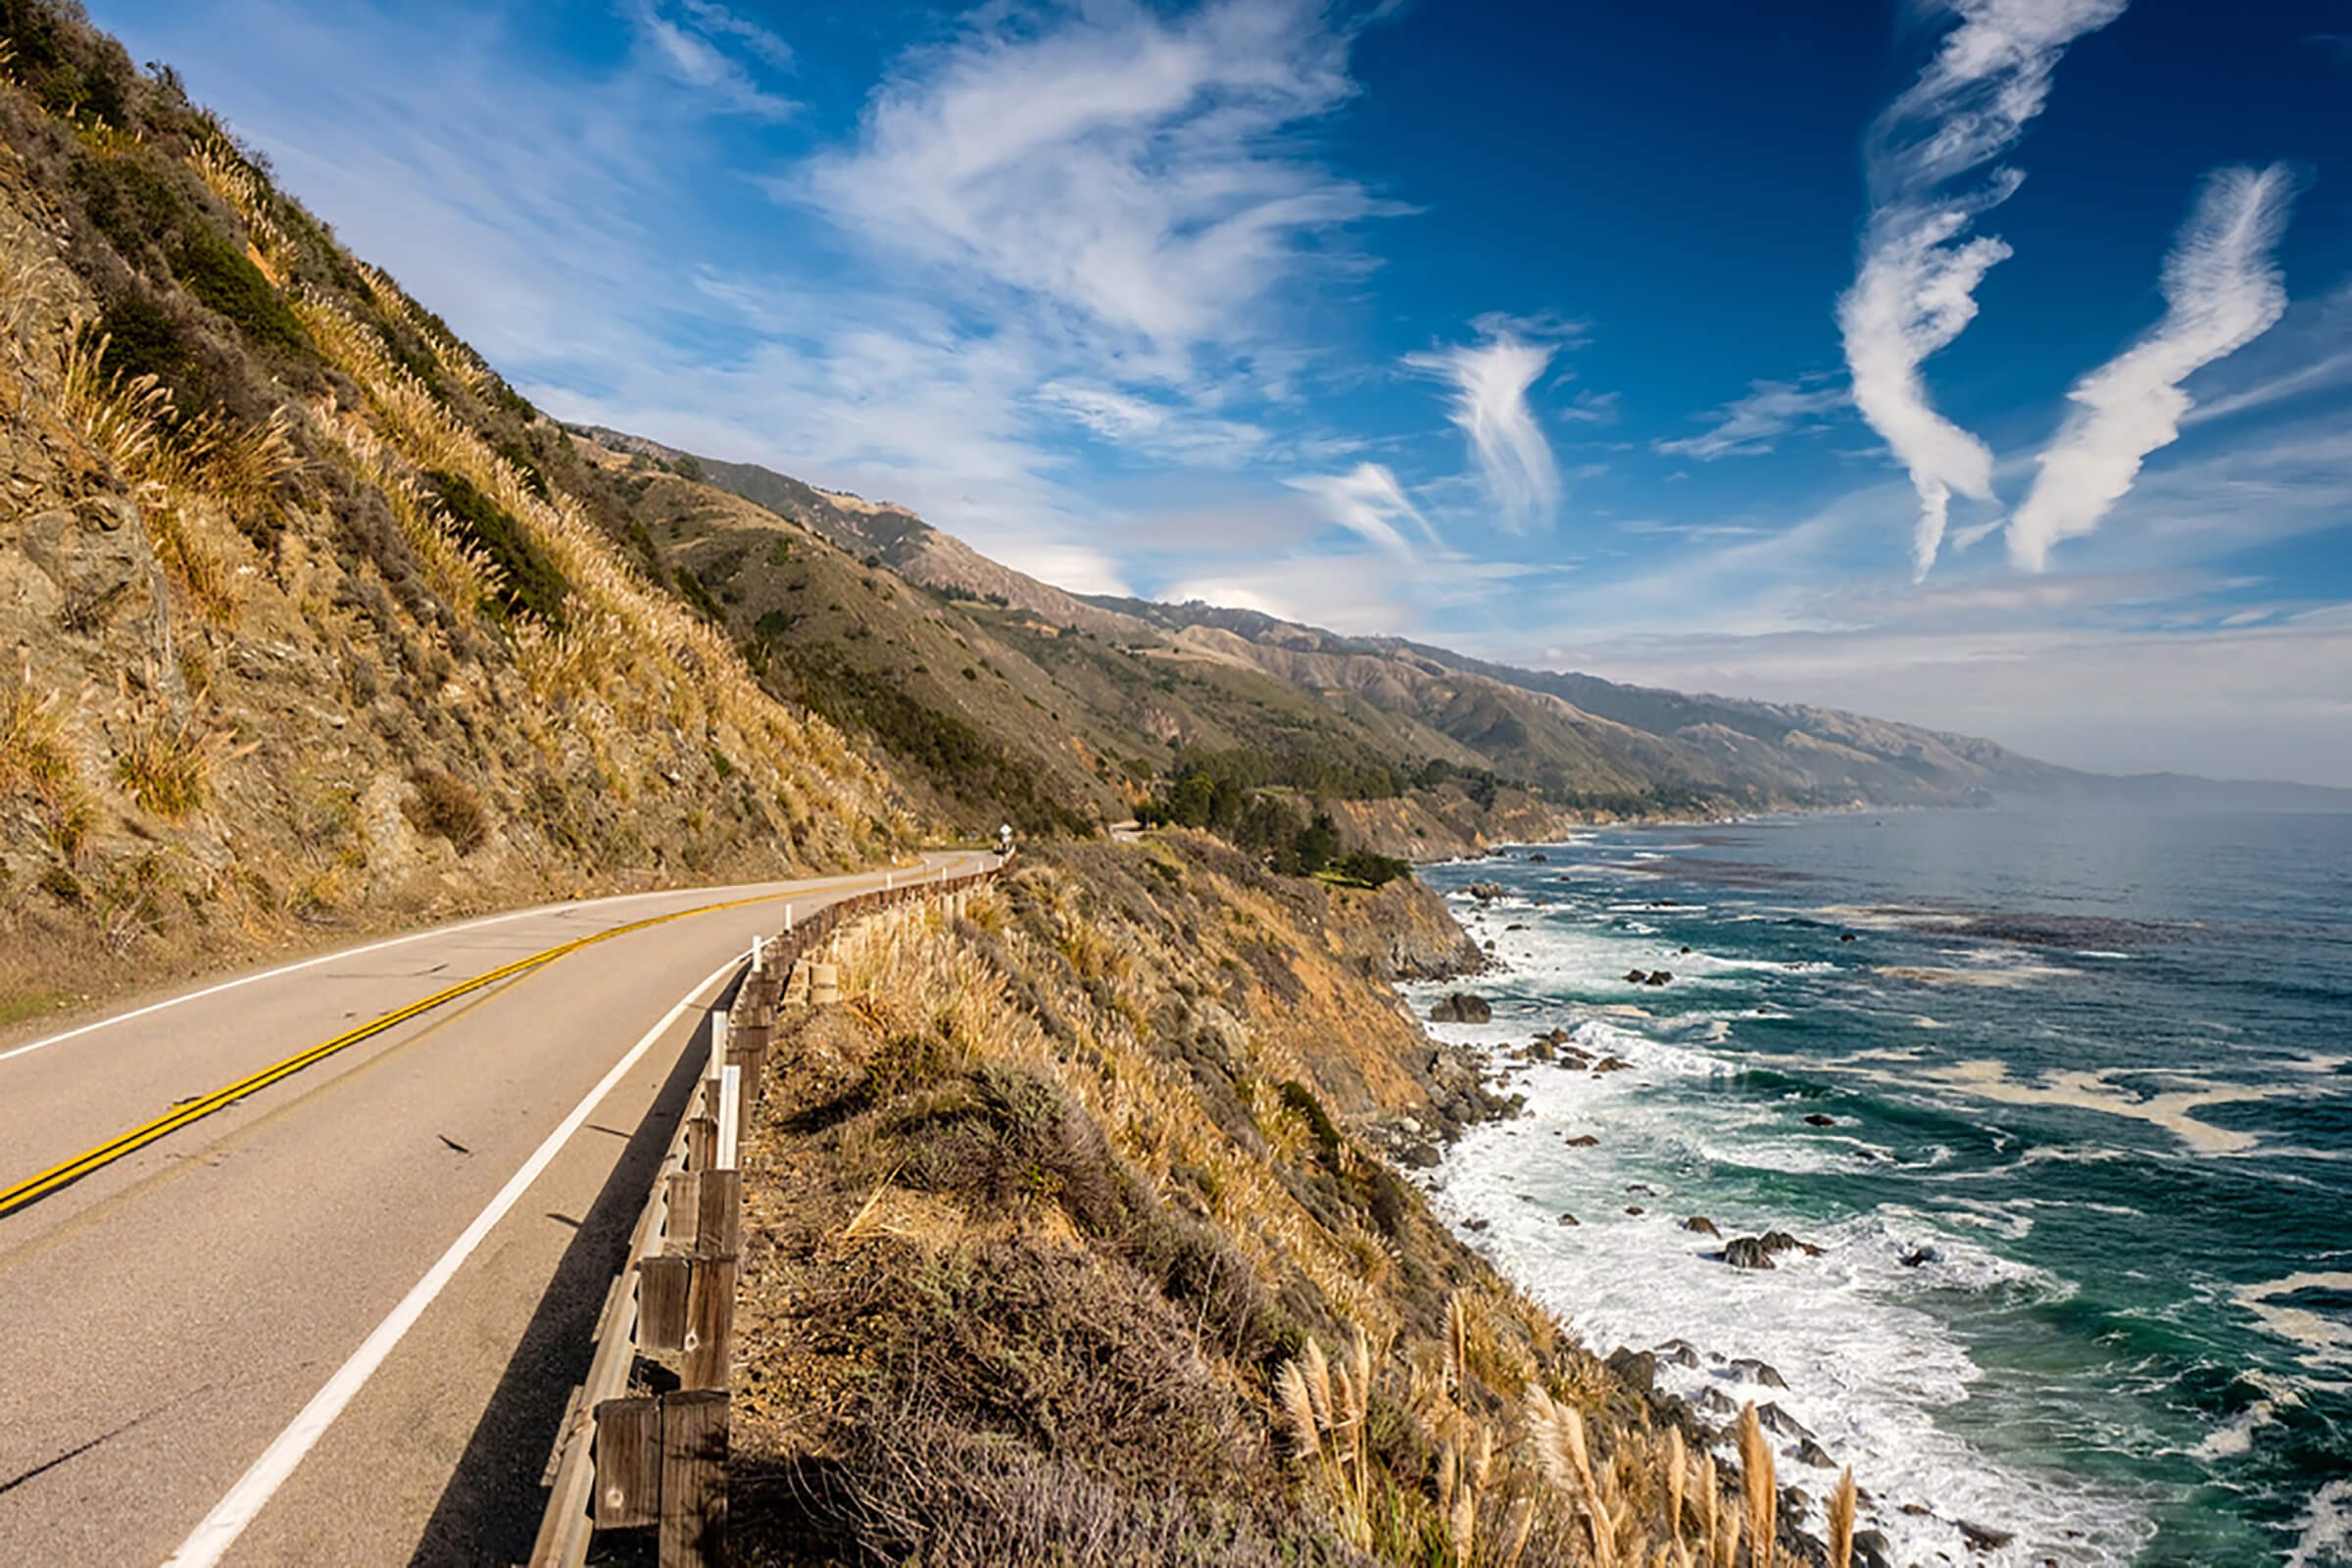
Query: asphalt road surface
[336, 1321]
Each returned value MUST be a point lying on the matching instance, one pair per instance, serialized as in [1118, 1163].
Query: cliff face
[1067, 1245]
[305, 618]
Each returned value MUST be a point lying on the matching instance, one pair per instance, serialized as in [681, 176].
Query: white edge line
[377, 947]
[219, 1529]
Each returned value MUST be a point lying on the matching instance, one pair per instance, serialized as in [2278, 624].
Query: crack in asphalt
[78, 1449]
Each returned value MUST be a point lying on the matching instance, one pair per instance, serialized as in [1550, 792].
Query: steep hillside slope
[1069, 1242]
[309, 618]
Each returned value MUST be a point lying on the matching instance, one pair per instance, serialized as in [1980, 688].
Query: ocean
[2064, 1101]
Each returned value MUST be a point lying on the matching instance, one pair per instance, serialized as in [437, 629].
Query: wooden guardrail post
[628, 1464]
[624, 1463]
[693, 1479]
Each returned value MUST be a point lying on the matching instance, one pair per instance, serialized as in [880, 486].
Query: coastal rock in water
[1681, 1352]
[1636, 1209]
[1983, 1537]
[1751, 1370]
[1462, 1007]
[1873, 1549]
[1717, 1402]
[1845, 936]
[1658, 977]
[1611, 1064]
[1816, 1120]
[1783, 1242]
[1772, 1418]
[1748, 1252]
[1639, 1368]
[1635, 978]
[1701, 1224]
[1580, 1141]
[1920, 1256]
[1515, 926]
[1569, 1220]
[1814, 1455]
[1486, 892]
[1540, 857]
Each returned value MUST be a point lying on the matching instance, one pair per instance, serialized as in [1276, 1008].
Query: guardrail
[644, 1442]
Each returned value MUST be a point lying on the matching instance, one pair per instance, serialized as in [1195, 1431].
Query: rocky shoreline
[1476, 1089]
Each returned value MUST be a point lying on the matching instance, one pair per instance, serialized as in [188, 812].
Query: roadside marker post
[731, 1116]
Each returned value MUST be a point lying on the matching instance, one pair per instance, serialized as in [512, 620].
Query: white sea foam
[1865, 1369]
[2235, 1435]
[2324, 1339]
[2323, 1533]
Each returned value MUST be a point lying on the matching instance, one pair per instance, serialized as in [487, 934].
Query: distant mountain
[1579, 742]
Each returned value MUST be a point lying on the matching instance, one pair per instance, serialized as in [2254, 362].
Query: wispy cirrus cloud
[1752, 425]
[1369, 502]
[1491, 380]
[1915, 288]
[1155, 427]
[688, 44]
[1113, 165]
[2223, 289]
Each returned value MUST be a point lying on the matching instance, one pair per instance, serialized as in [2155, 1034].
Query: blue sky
[1985, 364]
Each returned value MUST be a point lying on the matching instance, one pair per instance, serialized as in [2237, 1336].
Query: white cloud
[718, 19]
[1915, 289]
[1369, 502]
[1154, 427]
[1749, 426]
[2221, 290]
[1126, 169]
[689, 52]
[1490, 406]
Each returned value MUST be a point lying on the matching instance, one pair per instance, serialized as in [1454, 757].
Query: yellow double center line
[35, 1188]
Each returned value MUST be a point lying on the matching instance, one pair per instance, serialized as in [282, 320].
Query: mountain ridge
[1573, 736]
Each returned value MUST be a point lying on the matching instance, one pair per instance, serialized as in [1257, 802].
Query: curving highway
[294, 1273]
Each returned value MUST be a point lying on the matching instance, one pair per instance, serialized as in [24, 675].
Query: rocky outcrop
[1462, 1007]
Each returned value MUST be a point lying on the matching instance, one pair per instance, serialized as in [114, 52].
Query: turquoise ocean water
[2083, 1202]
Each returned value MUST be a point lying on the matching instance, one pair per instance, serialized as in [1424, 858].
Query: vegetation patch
[534, 585]
[222, 278]
[447, 807]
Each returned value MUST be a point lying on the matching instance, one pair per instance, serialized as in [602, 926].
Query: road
[196, 1331]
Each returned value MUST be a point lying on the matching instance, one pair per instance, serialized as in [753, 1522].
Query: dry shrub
[35, 758]
[166, 764]
[447, 807]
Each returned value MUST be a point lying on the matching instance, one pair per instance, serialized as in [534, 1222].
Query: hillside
[1472, 752]
[312, 622]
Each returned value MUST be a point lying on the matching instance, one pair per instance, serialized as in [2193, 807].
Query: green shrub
[692, 589]
[142, 339]
[222, 278]
[534, 586]
[1365, 869]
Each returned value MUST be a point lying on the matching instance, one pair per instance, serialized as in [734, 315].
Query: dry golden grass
[1528, 1451]
[165, 764]
[36, 757]
[625, 644]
